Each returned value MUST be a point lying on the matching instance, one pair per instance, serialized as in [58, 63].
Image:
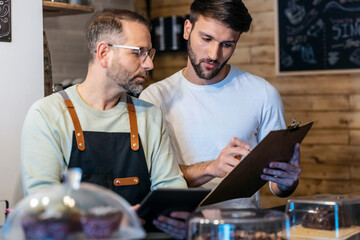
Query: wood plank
[257, 38]
[241, 55]
[355, 172]
[329, 84]
[269, 201]
[310, 188]
[316, 102]
[52, 9]
[262, 54]
[180, 10]
[261, 70]
[355, 101]
[330, 154]
[329, 119]
[336, 136]
[355, 137]
[166, 3]
[162, 73]
[170, 59]
[307, 188]
[255, 6]
[325, 171]
[262, 21]
[140, 5]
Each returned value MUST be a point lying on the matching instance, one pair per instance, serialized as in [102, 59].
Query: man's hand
[284, 177]
[175, 225]
[200, 173]
[229, 158]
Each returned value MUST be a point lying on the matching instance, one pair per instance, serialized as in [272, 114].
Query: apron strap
[78, 131]
[134, 135]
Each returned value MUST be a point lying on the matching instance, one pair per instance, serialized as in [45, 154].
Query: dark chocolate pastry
[324, 218]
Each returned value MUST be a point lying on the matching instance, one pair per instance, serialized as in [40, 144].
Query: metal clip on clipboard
[294, 125]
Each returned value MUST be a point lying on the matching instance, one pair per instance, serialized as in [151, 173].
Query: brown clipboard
[245, 179]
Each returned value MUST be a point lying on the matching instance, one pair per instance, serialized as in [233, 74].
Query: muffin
[56, 224]
[101, 222]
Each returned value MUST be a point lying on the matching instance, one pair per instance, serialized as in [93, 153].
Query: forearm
[197, 174]
[279, 191]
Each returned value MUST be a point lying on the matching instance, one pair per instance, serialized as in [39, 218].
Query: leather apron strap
[134, 135]
[77, 127]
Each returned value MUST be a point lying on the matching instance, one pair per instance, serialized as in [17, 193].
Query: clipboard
[244, 180]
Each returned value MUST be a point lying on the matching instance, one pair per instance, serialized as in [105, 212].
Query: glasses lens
[152, 53]
[144, 52]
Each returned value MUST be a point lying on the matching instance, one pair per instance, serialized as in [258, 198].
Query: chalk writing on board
[5, 23]
[318, 35]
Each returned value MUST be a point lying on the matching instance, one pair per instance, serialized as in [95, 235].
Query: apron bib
[114, 160]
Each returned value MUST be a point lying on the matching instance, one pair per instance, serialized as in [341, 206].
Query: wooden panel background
[330, 154]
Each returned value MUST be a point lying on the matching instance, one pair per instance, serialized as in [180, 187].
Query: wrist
[287, 191]
[209, 169]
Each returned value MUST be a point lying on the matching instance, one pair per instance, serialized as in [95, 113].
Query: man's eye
[207, 39]
[227, 45]
[136, 53]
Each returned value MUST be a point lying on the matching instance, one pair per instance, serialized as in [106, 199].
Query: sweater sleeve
[41, 158]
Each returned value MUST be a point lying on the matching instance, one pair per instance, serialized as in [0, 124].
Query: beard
[204, 72]
[125, 79]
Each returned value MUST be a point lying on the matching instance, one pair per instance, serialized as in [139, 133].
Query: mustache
[208, 60]
[144, 75]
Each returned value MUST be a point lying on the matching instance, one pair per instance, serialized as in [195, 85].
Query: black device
[163, 201]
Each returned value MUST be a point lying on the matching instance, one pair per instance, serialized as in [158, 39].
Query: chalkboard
[317, 36]
[5, 21]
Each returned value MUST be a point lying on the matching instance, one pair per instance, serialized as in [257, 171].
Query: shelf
[53, 9]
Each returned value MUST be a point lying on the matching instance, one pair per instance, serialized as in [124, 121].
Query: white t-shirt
[201, 119]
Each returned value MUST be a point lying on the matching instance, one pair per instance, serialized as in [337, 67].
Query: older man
[120, 142]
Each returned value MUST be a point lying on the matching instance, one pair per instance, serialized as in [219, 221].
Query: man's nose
[148, 64]
[214, 51]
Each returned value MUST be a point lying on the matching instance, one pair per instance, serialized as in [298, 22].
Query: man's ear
[103, 54]
[187, 29]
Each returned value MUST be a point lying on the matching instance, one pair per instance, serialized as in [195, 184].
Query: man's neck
[98, 94]
[190, 74]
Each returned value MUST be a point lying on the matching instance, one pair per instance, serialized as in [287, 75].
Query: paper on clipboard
[244, 180]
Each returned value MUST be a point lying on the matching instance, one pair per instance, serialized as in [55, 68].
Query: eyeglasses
[142, 52]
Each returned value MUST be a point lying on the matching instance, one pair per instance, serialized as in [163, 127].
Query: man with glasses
[118, 141]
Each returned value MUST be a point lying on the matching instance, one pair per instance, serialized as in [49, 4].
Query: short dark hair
[232, 13]
[106, 25]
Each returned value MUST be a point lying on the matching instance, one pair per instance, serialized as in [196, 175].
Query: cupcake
[101, 222]
[56, 224]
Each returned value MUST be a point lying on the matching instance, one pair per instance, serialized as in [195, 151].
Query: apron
[114, 160]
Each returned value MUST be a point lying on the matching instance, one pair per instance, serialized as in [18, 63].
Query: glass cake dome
[236, 224]
[73, 210]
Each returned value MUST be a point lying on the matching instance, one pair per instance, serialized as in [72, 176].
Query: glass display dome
[73, 210]
[234, 224]
[326, 216]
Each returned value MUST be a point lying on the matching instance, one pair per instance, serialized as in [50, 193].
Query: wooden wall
[331, 153]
